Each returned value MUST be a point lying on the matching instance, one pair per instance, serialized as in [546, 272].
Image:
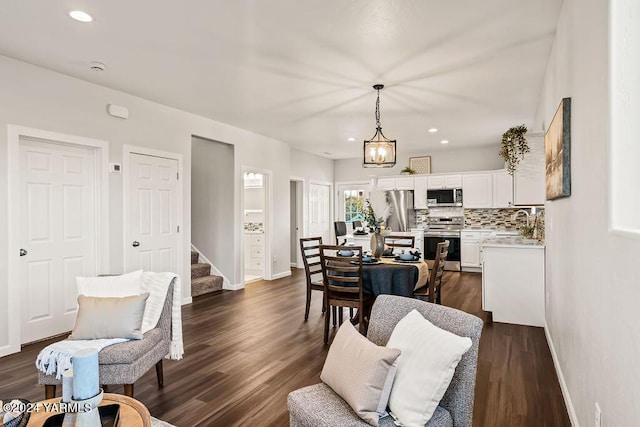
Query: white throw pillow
[360, 372]
[110, 286]
[425, 367]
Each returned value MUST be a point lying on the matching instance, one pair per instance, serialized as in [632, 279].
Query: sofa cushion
[425, 367]
[317, 405]
[360, 372]
[130, 351]
[110, 286]
[109, 317]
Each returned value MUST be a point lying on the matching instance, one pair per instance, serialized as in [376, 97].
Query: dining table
[394, 277]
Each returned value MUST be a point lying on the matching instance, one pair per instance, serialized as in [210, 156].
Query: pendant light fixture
[379, 151]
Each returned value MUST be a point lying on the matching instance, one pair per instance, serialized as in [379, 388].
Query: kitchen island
[513, 280]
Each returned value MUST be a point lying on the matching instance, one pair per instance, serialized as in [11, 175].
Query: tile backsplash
[254, 226]
[500, 218]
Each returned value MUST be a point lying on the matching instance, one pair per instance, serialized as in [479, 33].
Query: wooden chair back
[435, 278]
[342, 275]
[340, 227]
[310, 250]
[400, 241]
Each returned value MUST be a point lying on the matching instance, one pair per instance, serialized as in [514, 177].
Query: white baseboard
[187, 300]
[563, 384]
[281, 275]
[230, 287]
[214, 269]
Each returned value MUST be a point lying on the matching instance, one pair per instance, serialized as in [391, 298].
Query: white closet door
[57, 229]
[152, 238]
[320, 212]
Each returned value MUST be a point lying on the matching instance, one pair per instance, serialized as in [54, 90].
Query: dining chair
[340, 228]
[356, 224]
[343, 285]
[310, 250]
[400, 241]
[431, 291]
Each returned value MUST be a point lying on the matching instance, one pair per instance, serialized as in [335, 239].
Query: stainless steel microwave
[445, 197]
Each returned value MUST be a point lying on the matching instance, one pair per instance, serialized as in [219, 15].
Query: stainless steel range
[439, 230]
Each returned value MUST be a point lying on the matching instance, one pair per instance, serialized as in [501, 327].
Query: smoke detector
[97, 66]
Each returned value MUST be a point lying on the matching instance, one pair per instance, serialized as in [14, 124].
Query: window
[625, 107]
[353, 205]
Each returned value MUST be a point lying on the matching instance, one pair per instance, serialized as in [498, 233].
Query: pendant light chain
[378, 109]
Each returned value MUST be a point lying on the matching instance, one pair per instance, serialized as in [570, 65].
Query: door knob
[23, 252]
[136, 244]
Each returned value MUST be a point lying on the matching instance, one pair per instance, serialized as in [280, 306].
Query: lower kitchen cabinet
[513, 284]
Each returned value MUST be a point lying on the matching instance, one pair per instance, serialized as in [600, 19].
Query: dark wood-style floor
[246, 350]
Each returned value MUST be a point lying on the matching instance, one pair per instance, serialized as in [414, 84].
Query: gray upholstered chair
[124, 363]
[318, 405]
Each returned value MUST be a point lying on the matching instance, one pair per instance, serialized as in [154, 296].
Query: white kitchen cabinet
[364, 241]
[420, 192]
[254, 253]
[453, 181]
[403, 183]
[386, 184]
[470, 249]
[502, 189]
[513, 284]
[477, 190]
[437, 182]
[529, 177]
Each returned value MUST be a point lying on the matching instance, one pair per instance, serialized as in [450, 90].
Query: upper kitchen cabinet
[477, 190]
[395, 184]
[437, 182]
[529, 177]
[420, 192]
[502, 189]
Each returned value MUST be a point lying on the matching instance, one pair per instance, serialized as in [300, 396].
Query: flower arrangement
[370, 216]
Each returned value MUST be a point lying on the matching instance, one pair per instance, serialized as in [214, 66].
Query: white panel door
[57, 229]
[151, 240]
[320, 212]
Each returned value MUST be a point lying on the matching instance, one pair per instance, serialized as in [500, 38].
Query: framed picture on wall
[557, 151]
[420, 164]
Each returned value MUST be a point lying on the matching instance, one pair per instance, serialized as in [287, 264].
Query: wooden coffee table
[132, 412]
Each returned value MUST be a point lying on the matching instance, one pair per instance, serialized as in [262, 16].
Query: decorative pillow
[360, 372]
[425, 368]
[109, 317]
[110, 286]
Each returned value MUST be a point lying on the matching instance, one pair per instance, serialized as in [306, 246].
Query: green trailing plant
[408, 170]
[514, 146]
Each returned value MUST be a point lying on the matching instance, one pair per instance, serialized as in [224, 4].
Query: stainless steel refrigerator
[402, 216]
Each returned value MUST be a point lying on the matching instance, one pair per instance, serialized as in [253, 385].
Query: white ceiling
[302, 71]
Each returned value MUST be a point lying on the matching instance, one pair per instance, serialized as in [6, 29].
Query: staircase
[202, 282]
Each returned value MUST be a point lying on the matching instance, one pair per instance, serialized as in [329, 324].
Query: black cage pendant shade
[379, 151]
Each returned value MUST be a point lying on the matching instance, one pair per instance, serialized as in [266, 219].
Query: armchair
[126, 362]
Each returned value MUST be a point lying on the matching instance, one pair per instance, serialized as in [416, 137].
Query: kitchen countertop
[253, 232]
[489, 228]
[391, 233]
[513, 242]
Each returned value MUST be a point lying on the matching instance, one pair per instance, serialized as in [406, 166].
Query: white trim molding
[101, 159]
[225, 282]
[281, 275]
[563, 384]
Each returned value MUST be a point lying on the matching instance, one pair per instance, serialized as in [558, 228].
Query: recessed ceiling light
[81, 16]
[444, 141]
[351, 139]
[433, 130]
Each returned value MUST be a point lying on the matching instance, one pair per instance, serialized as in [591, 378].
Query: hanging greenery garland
[514, 146]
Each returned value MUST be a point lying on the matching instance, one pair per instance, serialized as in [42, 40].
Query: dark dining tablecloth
[391, 279]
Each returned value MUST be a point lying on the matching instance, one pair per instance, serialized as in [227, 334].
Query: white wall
[442, 160]
[592, 289]
[212, 196]
[42, 99]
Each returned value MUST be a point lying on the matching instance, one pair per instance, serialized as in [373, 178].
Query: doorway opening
[254, 225]
[296, 206]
